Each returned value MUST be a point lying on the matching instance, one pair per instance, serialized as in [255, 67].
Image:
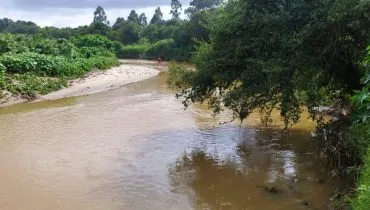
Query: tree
[199, 5]
[100, 16]
[99, 28]
[100, 24]
[143, 19]
[134, 17]
[5, 23]
[157, 18]
[118, 23]
[280, 55]
[151, 32]
[129, 32]
[204, 4]
[176, 8]
[18, 27]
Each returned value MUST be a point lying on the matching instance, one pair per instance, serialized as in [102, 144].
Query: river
[137, 148]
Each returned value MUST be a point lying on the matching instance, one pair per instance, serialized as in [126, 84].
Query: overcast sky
[72, 13]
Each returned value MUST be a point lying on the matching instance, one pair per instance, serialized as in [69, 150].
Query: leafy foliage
[272, 47]
[31, 65]
[30, 85]
[134, 51]
[100, 16]
[176, 9]
[362, 200]
[178, 75]
[157, 18]
[165, 49]
[129, 31]
[359, 135]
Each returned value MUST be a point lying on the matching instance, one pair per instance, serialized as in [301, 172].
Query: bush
[179, 76]
[32, 65]
[88, 52]
[168, 50]
[360, 137]
[18, 63]
[14, 43]
[93, 40]
[56, 47]
[2, 74]
[103, 62]
[163, 49]
[30, 85]
[133, 51]
[2, 69]
[55, 66]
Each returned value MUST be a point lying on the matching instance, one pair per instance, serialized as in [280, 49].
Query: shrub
[2, 74]
[30, 85]
[133, 51]
[32, 65]
[163, 48]
[18, 63]
[87, 52]
[2, 69]
[93, 40]
[179, 76]
[103, 62]
[117, 48]
[168, 50]
[55, 66]
[360, 138]
[14, 43]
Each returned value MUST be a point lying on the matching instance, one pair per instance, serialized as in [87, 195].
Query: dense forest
[249, 54]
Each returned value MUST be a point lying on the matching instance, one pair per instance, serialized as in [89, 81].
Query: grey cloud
[109, 4]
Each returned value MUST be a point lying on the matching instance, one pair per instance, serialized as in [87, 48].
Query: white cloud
[128, 4]
[72, 13]
[73, 17]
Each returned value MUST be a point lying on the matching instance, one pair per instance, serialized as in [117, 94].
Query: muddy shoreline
[130, 71]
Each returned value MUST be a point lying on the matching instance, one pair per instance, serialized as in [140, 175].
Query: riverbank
[129, 71]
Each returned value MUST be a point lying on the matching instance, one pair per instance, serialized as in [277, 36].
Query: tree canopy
[280, 54]
[100, 16]
[157, 18]
[176, 8]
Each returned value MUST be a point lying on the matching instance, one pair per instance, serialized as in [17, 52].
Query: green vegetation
[265, 64]
[360, 137]
[35, 60]
[178, 75]
[166, 49]
[173, 39]
[363, 198]
[286, 55]
[32, 65]
[249, 54]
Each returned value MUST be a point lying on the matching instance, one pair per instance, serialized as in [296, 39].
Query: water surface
[137, 148]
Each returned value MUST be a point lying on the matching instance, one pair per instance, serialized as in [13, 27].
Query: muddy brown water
[137, 148]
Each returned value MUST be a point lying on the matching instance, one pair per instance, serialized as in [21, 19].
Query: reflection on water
[221, 176]
[137, 148]
[28, 107]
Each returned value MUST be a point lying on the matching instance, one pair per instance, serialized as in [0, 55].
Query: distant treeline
[173, 39]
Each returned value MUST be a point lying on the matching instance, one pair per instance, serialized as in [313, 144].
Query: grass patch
[362, 201]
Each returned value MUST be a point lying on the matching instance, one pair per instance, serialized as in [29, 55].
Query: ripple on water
[137, 148]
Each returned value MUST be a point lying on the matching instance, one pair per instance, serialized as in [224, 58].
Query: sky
[73, 13]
